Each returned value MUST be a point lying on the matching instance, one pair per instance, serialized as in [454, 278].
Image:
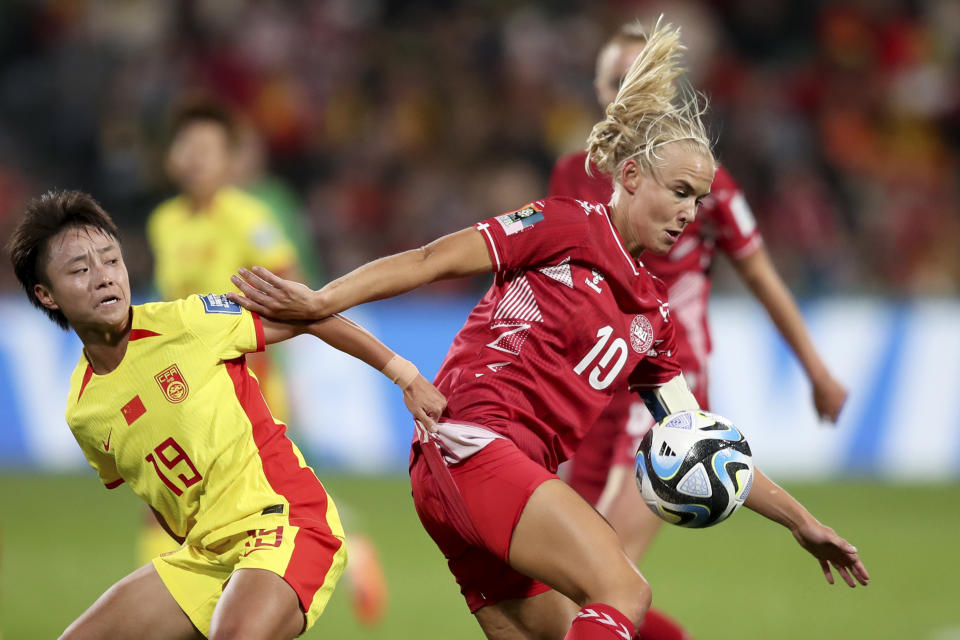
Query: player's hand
[829, 397]
[832, 551]
[424, 402]
[273, 297]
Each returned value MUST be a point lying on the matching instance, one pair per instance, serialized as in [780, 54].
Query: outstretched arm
[759, 274]
[459, 254]
[422, 398]
[769, 500]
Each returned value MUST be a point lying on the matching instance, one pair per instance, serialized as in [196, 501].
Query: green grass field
[65, 540]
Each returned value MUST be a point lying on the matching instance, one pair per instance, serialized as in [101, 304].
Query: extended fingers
[254, 279]
[268, 276]
[247, 284]
[247, 303]
[845, 574]
[825, 567]
[860, 572]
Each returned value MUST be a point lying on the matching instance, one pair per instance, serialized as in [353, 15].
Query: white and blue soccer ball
[694, 469]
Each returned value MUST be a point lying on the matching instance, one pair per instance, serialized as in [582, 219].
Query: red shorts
[470, 509]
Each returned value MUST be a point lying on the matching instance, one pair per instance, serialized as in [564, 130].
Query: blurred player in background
[162, 400]
[524, 383]
[602, 469]
[203, 235]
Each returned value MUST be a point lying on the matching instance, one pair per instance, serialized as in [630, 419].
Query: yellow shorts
[310, 559]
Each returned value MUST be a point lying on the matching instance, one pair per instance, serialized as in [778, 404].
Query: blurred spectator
[385, 116]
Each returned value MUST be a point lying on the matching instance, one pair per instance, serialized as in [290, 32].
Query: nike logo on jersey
[106, 445]
[594, 283]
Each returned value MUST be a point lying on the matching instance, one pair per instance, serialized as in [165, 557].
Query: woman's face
[87, 278]
[651, 209]
[199, 158]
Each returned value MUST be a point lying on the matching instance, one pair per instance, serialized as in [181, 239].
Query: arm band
[668, 398]
[400, 371]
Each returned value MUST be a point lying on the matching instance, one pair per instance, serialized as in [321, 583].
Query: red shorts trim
[492, 488]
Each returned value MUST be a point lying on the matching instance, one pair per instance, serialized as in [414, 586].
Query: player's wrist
[319, 304]
[400, 371]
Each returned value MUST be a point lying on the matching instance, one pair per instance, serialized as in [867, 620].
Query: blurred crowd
[386, 123]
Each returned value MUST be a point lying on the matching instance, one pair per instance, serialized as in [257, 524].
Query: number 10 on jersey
[598, 378]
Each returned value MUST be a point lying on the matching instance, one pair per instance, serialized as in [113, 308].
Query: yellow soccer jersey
[198, 252]
[183, 423]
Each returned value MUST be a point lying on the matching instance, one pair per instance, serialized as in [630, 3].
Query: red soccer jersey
[724, 220]
[570, 318]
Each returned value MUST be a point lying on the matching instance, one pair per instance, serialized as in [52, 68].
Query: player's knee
[630, 594]
[640, 596]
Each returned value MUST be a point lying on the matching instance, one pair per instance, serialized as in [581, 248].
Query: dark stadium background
[391, 123]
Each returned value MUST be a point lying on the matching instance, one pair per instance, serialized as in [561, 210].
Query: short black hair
[43, 218]
[203, 109]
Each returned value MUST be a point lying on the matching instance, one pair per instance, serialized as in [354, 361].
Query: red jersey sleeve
[538, 233]
[737, 233]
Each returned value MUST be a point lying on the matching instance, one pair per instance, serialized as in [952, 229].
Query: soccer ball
[694, 469]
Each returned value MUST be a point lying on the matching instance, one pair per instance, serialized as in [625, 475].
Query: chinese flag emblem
[172, 384]
[131, 411]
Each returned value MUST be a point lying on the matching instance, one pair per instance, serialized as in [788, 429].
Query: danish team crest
[172, 384]
[641, 334]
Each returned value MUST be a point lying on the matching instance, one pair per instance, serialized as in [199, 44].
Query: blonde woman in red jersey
[602, 469]
[571, 314]
[162, 400]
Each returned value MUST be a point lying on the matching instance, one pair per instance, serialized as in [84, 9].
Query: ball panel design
[695, 483]
[694, 469]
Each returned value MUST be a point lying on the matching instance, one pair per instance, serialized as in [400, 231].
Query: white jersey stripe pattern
[519, 303]
[560, 272]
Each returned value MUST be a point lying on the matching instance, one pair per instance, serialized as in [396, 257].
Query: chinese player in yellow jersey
[162, 401]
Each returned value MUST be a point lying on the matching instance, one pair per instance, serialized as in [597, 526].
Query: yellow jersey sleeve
[227, 329]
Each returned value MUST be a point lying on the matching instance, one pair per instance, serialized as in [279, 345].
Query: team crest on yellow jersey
[172, 384]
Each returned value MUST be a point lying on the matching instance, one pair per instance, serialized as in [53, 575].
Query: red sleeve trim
[258, 325]
[137, 334]
[113, 485]
[86, 378]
